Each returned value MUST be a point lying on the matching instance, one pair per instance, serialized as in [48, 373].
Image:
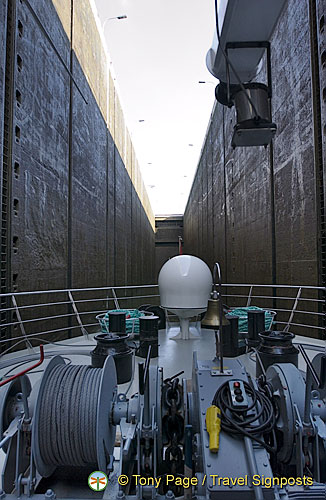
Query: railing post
[22, 328]
[83, 330]
[249, 297]
[116, 303]
[287, 326]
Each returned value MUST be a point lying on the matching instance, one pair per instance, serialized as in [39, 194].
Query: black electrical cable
[237, 421]
[229, 63]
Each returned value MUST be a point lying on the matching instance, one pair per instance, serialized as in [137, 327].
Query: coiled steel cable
[68, 416]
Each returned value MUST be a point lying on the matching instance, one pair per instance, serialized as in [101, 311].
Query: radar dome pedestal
[185, 284]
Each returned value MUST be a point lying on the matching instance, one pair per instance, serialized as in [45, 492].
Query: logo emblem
[97, 481]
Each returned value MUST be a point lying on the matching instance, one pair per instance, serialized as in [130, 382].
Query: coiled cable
[241, 421]
[68, 416]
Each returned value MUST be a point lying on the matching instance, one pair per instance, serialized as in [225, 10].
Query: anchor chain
[173, 426]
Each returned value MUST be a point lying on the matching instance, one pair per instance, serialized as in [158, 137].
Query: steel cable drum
[11, 404]
[288, 389]
[71, 424]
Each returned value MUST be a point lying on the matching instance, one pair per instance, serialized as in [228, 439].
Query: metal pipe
[188, 459]
[311, 376]
[253, 466]
[260, 361]
[307, 404]
[105, 288]
[310, 368]
[24, 397]
[4, 440]
[147, 409]
[217, 270]
[128, 287]
[287, 326]
[6, 381]
[81, 301]
[269, 297]
[47, 332]
[32, 357]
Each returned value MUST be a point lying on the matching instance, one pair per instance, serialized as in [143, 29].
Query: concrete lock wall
[168, 230]
[75, 210]
[260, 212]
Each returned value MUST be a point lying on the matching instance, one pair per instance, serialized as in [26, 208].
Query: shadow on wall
[168, 230]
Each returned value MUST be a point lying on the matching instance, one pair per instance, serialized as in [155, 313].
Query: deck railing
[66, 313]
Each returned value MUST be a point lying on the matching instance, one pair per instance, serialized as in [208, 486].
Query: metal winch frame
[24, 438]
[300, 407]
[140, 420]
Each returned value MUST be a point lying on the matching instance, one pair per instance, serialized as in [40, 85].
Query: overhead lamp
[112, 18]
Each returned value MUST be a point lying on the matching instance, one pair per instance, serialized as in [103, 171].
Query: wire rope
[68, 416]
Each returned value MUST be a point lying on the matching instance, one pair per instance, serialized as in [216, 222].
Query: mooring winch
[71, 425]
[221, 423]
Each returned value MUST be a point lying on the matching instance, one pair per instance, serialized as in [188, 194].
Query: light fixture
[112, 18]
[208, 81]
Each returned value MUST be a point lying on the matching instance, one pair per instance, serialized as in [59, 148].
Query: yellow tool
[213, 425]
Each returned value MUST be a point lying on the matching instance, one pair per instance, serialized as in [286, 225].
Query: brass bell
[212, 317]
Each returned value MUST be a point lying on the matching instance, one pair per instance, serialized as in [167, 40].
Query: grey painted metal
[43, 468]
[316, 363]
[253, 466]
[11, 403]
[251, 458]
[233, 454]
[105, 430]
[289, 389]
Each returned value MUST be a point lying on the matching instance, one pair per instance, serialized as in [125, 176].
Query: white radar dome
[185, 283]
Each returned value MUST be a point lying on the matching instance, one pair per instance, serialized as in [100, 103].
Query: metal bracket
[12, 429]
[254, 45]
[128, 432]
[110, 465]
[298, 441]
